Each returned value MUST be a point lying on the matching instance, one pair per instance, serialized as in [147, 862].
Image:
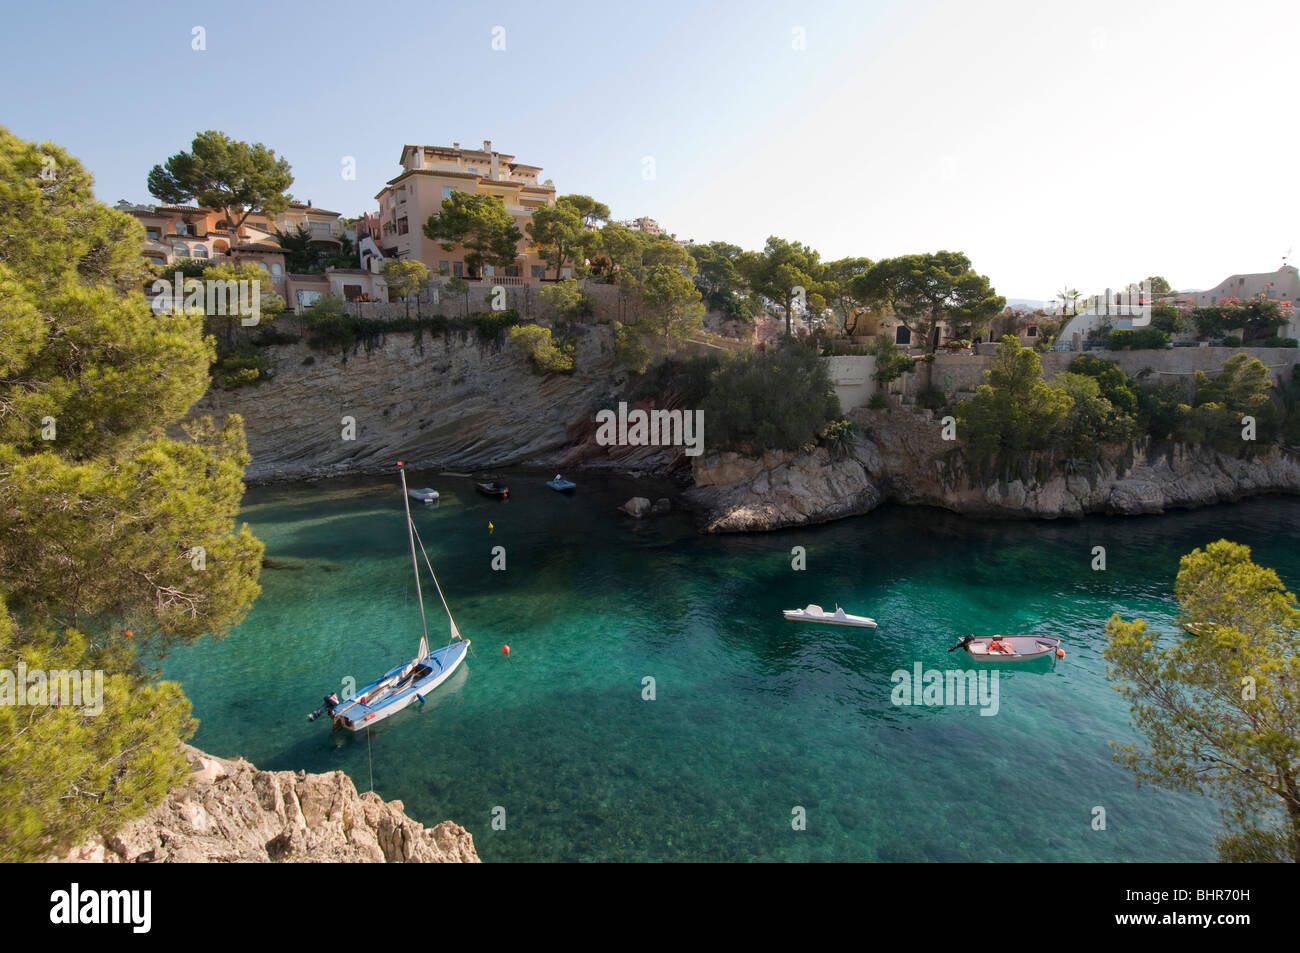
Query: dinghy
[815, 613]
[1009, 648]
[493, 488]
[561, 484]
[410, 681]
[426, 495]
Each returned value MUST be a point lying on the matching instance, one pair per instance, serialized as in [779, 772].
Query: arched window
[902, 335]
[182, 251]
[200, 251]
[277, 269]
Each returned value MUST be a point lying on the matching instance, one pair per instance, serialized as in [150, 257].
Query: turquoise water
[752, 716]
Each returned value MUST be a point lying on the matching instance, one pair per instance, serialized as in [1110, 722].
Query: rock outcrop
[735, 494]
[902, 457]
[231, 812]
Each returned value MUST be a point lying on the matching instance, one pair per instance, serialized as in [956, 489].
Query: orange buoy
[505, 650]
[130, 634]
[1060, 653]
[399, 463]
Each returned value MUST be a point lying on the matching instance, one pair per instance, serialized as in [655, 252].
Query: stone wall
[853, 376]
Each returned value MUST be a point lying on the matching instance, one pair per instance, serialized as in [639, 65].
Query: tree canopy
[222, 173]
[107, 523]
[779, 270]
[1219, 711]
[481, 225]
[927, 289]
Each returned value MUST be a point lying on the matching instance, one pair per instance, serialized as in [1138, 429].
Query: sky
[1082, 145]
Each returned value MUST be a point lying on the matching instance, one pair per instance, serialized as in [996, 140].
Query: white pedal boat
[427, 495]
[815, 613]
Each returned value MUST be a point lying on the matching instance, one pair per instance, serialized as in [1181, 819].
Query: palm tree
[1069, 299]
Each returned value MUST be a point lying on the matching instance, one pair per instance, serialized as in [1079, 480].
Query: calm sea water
[753, 716]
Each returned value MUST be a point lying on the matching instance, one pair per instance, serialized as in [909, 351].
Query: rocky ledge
[735, 494]
[901, 457]
[230, 812]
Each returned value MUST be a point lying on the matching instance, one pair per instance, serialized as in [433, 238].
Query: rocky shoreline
[900, 457]
[230, 812]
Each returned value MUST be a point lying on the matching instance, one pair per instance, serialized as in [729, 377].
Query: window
[488, 271]
[512, 271]
[446, 191]
[444, 268]
[1031, 331]
[473, 170]
[320, 228]
[157, 260]
[902, 335]
[182, 250]
[200, 251]
[277, 269]
[458, 269]
[539, 271]
[351, 292]
[402, 227]
[151, 234]
[307, 298]
[566, 272]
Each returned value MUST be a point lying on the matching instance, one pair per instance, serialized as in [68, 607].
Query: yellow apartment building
[430, 174]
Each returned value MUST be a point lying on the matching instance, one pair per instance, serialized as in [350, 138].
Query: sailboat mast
[410, 532]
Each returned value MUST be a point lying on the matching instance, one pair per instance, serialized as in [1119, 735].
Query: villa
[429, 175]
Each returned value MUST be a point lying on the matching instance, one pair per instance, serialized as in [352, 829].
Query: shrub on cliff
[106, 522]
[1141, 339]
[770, 400]
[534, 342]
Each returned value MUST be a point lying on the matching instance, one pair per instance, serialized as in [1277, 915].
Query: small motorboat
[561, 484]
[493, 488]
[1009, 648]
[426, 495]
[814, 613]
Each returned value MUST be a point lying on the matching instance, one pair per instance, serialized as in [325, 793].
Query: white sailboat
[410, 681]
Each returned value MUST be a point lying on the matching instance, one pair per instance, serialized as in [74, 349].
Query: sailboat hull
[382, 698]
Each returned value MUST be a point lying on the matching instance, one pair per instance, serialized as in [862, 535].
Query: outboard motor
[331, 702]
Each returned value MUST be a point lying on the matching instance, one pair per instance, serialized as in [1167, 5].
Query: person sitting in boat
[1001, 648]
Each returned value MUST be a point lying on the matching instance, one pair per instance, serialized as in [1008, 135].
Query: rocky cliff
[434, 400]
[901, 457]
[231, 812]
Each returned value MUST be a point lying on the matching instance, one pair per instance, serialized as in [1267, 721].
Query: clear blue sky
[1082, 144]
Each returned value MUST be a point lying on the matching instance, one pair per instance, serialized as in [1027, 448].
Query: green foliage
[924, 290]
[689, 379]
[877, 401]
[770, 400]
[630, 349]
[101, 512]
[404, 277]
[240, 368]
[1141, 339]
[535, 343]
[1092, 421]
[1278, 342]
[1169, 319]
[837, 438]
[1243, 388]
[567, 301]
[1219, 712]
[1014, 411]
[780, 268]
[480, 224]
[490, 325]
[1161, 408]
[891, 363]
[305, 254]
[225, 174]
[1114, 385]
[932, 398]
[561, 232]
[1232, 340]
[66, 772]
[1159, 286]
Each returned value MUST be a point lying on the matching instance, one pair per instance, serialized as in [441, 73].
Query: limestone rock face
[734, 494]
[231, 812]
[434, 401]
